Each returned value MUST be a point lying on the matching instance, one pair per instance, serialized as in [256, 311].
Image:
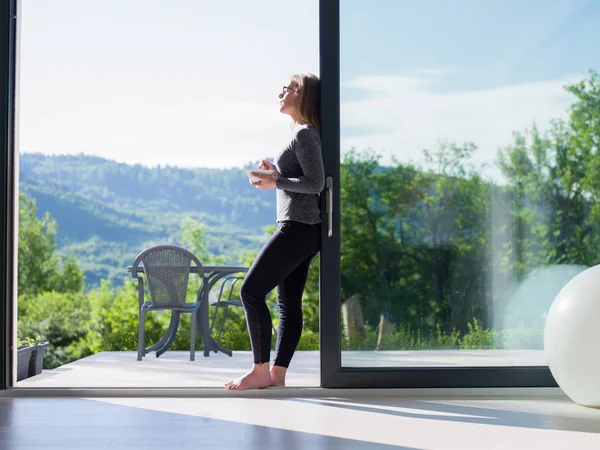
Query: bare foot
[278, 376]
[257, 378]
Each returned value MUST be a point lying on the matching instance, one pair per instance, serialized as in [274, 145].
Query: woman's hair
[309, 98]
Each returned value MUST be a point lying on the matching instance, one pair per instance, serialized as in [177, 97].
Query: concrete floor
[367, 423]
[174, 369]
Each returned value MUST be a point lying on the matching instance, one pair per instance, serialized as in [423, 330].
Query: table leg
[203, 328]
[170, 336]
[170, 330]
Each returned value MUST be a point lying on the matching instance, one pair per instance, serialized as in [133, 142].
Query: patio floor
[174, 369]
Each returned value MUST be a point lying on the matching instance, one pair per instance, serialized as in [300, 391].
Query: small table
[212, 274]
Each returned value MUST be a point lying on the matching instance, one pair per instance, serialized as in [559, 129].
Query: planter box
[30, 360]
[38, 363]
[24, 357]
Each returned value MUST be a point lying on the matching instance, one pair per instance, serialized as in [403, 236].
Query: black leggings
[283, 262]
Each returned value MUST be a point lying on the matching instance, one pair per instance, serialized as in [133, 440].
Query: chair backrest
[167, 269]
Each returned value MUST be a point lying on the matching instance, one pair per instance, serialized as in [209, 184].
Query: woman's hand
[266, 165]
[266, 181]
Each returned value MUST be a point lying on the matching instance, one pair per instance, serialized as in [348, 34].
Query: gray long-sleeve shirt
[300, 177]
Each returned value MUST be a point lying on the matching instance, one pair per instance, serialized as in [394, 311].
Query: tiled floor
[524, 422]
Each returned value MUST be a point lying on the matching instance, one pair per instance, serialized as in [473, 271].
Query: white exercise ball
[572, 338]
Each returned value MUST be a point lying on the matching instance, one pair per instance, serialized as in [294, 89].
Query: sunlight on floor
[416, 423]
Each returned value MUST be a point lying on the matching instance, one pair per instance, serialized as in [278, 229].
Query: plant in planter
[30, 357]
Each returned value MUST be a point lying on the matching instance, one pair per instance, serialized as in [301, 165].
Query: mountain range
[107, 212]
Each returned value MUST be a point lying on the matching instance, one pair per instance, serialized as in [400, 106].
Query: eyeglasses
[287, 88]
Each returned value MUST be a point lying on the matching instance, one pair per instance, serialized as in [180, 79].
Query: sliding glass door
[456, 211]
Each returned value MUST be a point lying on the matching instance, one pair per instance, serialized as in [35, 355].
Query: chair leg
[141, 335]
[193, 338]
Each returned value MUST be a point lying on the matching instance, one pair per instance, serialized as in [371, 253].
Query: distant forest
[108, 212]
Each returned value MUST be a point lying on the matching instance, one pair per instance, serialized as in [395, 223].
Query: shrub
[309, 340]
[478, 337]
[522, 338]
[59, 318]
[114, 319]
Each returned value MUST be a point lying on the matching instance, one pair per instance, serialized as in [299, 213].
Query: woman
[284, 260]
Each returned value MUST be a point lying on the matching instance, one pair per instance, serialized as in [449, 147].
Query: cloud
[402, 115]
[213, 125]
[210, 133]
[196, 86]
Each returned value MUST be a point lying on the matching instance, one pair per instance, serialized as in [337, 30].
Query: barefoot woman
[284, 260]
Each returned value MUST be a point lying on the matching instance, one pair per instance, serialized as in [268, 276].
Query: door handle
[329, 206]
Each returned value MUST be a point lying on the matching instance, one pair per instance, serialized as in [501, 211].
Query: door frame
[333, 375]
[9, 181]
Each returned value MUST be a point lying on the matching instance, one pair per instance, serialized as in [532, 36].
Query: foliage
[407, 338]
[28, 342]
[309, 340]
[477, 337]
[440, 248]
[40, 269]
[60, 319]
[400, 222]
[109, 211]
[554, 183]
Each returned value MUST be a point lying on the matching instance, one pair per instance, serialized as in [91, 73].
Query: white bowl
[252, 173]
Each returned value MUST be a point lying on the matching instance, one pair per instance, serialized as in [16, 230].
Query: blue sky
[492, 42]
[415, 74]
[195, 83]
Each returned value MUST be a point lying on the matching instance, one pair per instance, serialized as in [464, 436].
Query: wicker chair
[166, 269]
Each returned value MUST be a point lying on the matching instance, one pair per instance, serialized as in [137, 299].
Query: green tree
[453, 234]
[554, 184]
[374, 203]
[414, 241]
[40, 268]
[58, 318]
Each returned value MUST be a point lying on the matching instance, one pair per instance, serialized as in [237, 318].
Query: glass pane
[469, 176]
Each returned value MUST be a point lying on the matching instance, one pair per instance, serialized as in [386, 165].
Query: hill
[108, 212]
